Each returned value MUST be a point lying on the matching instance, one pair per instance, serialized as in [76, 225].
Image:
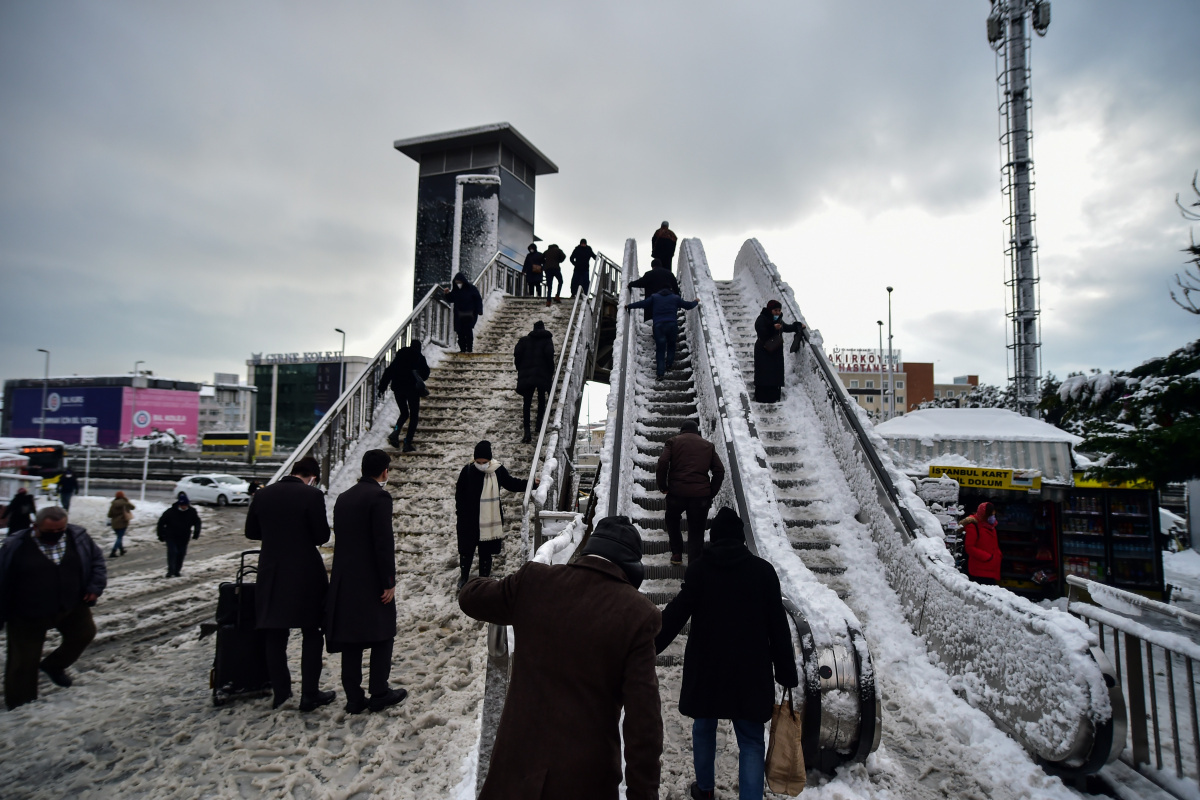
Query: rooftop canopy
[984, 424]
[502, 132]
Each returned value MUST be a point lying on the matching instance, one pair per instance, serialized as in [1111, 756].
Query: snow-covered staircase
[811, 523]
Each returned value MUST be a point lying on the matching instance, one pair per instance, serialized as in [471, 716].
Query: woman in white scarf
[480, 521]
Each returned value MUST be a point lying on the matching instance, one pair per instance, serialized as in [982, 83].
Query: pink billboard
[145, 410]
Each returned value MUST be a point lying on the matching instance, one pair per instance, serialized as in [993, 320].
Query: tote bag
[785, 755]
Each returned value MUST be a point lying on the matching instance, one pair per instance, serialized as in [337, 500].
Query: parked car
[215, 488]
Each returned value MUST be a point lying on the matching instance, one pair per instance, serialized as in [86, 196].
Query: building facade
[226, 404]
[294, 390]
[863, 373]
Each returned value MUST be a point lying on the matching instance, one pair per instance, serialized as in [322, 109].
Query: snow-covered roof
[10, 443]
[982, 424]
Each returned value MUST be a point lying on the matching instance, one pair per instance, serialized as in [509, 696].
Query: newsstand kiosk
[1111, 534]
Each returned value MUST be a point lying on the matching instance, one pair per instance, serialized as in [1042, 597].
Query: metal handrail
[623, 365]
[564, 373]
[355, 410]
[927, 583]
[1128, 638]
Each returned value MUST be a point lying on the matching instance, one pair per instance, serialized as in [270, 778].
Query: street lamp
[132, 424]
[342, 359]
[891, 388]
[879, 322]
[135, 388]
[45, 384]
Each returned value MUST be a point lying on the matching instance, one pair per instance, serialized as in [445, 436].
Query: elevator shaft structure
[1008, 34]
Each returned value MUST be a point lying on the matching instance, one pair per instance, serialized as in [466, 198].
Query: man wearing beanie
[175, 526]
[683, 469]
[534, 359]
[479, 518]
[739, 634]
[586, 642]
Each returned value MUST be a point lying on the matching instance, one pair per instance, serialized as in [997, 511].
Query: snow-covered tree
[1189, 280]
[982, 396]
[1145, 421]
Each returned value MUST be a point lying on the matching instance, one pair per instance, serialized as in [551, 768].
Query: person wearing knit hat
[586, 655]
[769, 329]
[175, 526]
[739, 639]
[683, 476]
[479, 518]
[534, 359]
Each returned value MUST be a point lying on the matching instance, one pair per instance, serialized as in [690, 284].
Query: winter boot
[408, 445]
[527, 438]
[122, 549]
[485, 566]
[464, 569]
[394, 438]
[699, 794]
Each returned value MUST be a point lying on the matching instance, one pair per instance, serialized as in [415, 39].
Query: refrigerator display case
[1027, 532]
[1112, 536]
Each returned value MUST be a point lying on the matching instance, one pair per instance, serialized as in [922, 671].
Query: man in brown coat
[682, 475]
[586, 639]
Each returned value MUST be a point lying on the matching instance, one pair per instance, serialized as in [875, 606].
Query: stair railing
[1037, 673]
[338, 432]
[556, 434]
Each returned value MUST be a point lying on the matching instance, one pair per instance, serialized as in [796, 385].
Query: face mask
[777, 316]
[457, 285]
[992, 520]
[50, 537]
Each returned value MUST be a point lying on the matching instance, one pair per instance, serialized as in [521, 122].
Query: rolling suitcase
[240, 663]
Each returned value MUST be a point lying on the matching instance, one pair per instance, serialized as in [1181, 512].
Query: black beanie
[484, 450]
[726, 525]
[615, 539]
[539, 326]
[689, 426]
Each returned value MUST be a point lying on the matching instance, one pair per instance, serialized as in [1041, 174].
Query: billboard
[850, 359]
[108, 408]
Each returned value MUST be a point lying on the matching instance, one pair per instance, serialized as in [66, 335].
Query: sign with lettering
[1010, 480]
[313, 357]
[848, 359]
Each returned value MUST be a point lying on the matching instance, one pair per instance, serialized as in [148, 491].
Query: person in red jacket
[983, 549]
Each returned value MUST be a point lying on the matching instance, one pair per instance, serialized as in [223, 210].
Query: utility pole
[891, 390]
[881, 395]
[45, 386]
[1008, 33]
[342, 359]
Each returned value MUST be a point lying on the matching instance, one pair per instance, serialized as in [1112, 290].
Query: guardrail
[431, 320]
[829, 638]
[1128, 641]
[556, 435]
[1037, 673]
[616, 460]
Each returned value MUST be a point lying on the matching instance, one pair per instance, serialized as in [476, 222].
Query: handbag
[419, 383]
[785, 752]
[774, 343]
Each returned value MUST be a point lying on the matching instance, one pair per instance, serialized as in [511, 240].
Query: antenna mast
[1008, 33]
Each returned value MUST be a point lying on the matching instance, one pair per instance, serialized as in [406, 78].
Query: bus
[45, 455]
[234, 443]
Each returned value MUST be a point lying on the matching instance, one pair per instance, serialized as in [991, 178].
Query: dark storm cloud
[186, 184]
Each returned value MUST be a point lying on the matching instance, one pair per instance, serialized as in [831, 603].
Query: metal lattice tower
[1008, 32]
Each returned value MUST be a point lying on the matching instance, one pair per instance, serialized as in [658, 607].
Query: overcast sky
[185, 184]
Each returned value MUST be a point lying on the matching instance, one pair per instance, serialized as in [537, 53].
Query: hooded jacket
[553, 258]
[93, 572]
[176, 524]
[399, 374]
[581, 258]
[534, 359]
[467, 302]
[663, 306]
[982, 546]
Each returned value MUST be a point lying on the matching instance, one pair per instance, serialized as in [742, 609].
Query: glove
[195, 536]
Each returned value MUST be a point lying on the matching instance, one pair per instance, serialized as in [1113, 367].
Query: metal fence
[1157, 670]
[432, 320]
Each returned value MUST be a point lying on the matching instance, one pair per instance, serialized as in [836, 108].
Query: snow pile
[983, 424]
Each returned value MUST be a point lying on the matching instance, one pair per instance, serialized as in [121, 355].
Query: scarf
[490, 523]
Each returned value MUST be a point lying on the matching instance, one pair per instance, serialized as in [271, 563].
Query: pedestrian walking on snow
[20, 511]
[683, 476]
[120, 513]
[360, 612]
[769, 329]
[534, 360]
[657, 278]
[587, 654]
[288, 517]
[553, 259]
[982, 545]
[739, 637]
[468, 306]
[581, 260]
[68, 486]
[533, 269]
[662, 245]
[479, 517]
[175, 526]
[663, 307]
[50, 577]
[406, 375]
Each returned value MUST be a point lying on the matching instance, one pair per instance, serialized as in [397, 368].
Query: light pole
[879, 322]
[45, 385]
[342, 359]
[133, 425]
[891, 389]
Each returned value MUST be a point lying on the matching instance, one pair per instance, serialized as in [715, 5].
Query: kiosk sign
[1010, 480]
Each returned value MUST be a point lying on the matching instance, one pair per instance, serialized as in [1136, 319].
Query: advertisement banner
[68, 410]
[144, 411]
[1011, 480]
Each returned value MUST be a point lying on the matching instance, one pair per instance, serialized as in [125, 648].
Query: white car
[214, 488]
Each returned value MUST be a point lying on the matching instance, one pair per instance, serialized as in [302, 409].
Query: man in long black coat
[468, 306]
[68, 485]
[768, 352]
[581, 260]
[288, 517]
[468, 494]
[360, 612]
[534, 359]
[662, 245]
[175, 526]
[533, 269]
[20, 511]
[402, 375]
[739, 635]
[657, 278]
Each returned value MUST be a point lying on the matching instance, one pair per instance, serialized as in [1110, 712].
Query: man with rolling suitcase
[288, 517]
